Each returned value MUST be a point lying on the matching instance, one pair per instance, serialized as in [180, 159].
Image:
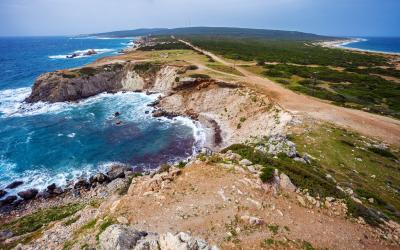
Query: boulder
[2, 193]
[8, 200]
[252, 220]
[245, 162]
[98, 178]
[73, 55]
[119, 237]
[81, 184]
[116, 171]
[280, 144]
[182, 241]
[14, 184]
[6, 234]
[285, 183]
[28, 194]
[90, 52]
[51, 187]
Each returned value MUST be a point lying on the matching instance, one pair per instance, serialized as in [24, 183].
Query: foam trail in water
[81, 53]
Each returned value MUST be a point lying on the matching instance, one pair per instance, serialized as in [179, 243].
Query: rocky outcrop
[80, 83]
[14, 184]
[28, 194]
[119, 237]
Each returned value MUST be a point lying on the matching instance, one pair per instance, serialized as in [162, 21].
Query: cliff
[80, 83]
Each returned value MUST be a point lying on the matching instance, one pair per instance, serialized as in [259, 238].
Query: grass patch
[382, 152]
[202, 76]
[43, 217]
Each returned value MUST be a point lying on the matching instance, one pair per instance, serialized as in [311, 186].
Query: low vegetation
[347, 78]
[32, 225]
[348, 161]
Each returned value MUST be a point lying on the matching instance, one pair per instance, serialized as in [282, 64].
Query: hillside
[219, 32]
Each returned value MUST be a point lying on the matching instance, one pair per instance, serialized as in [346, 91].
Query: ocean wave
[81, 53]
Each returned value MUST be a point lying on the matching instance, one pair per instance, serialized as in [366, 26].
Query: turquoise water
[45, 143]
[381, 44]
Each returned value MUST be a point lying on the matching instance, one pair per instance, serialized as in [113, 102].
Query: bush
[267, 174]
[382, 152]
[203, 76]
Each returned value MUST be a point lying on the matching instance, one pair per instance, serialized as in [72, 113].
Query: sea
[377, 44]
[44, 143]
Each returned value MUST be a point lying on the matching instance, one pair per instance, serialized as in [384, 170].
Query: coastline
[340, 44]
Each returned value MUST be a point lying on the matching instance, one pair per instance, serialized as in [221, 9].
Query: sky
[325, 17]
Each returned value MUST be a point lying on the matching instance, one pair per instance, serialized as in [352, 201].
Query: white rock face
[132, 81]
[119, 237]
[165, 79]
[285, 183]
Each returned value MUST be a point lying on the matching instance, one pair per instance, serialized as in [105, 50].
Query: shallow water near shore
[378, 44]
[54, 143]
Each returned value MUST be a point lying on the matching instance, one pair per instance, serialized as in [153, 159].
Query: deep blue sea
[45, 143]
[380, 44]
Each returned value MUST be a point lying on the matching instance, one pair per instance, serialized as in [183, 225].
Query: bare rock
[245, 162]
[8, 200]
[14, 184]
[2, 193]
[119, 237]
[28, 194]
[116, 171]
[81, 184]
[285, 183]
[252, 220]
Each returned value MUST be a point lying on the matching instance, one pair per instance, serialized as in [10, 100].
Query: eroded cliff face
[80, 83]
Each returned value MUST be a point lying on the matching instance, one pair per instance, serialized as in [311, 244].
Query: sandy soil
[209, 200]
[380, 127]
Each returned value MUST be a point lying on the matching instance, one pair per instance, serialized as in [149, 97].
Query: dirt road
[372, 125]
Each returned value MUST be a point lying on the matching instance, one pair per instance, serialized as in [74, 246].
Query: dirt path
[381, 127]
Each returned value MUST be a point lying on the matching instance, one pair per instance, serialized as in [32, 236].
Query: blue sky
[327, 17]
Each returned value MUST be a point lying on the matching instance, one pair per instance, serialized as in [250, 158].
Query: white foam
[81, 53]
[72, 135]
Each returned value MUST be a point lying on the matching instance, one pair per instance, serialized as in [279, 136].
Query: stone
[298, 159]
[232, 156]
[119, 237]
[356, 200]
[28, 194]
[14, 184]
[122, 220]
[371, 200]
[329, 177]
[81, 184]
[116, 114]
[301, 200]
[182, 241]
[285, 183]
[5, 234]
[116, 171]
[90, 52]
[245, 162]
[329, 199]
[349, 191]
[51, 188]
[8, 200]
[307, 158]
[2, 193]
[280, 144]
[98, 178]
[252, 220]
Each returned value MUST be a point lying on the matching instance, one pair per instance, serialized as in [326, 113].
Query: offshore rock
[28, 194]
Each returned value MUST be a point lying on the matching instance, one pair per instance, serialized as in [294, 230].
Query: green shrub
[204, 76]
[382, 152]
[37, 220]
[267, 174]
